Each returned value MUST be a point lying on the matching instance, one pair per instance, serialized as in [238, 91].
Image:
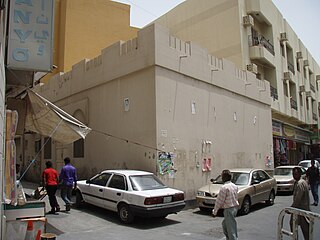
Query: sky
[302, 15]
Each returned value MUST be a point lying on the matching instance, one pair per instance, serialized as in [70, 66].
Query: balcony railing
[257, 39]
[314, 116]
[312, 88]
[293, 104]
[274, 93]
[291, 67]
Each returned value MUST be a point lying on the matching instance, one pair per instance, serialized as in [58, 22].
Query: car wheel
[270, 201]
[245, 207]
[79, 199]
[125, 213]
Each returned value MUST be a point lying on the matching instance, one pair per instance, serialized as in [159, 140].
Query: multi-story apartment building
[254, 35]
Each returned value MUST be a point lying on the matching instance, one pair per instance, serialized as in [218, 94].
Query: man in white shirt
[228, 200]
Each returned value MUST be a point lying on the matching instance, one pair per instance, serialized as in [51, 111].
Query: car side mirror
[212, 180]
[88, 181]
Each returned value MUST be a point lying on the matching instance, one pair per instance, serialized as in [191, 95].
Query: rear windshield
[283, 171]
[146, 182]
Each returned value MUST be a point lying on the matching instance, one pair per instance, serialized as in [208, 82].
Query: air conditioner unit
[252, 68]
[302, 88]
[305, 63]
[308, 94]
[287, 75]
[248, 21]
[283, 37]
[299, 55]
[317, 77]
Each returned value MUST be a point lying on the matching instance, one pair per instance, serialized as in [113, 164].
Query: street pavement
[95, 223]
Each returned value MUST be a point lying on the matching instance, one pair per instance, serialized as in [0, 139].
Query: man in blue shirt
[68, 181]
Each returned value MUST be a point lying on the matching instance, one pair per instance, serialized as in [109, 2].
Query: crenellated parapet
[155, 47]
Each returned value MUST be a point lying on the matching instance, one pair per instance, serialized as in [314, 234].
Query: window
[37, 146]
[101, 180]
[118, 182]
[78, 148]
[47, 148]
[282, 49]
[298, 65]
[263, 176]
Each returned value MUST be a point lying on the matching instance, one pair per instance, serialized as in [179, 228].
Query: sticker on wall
[126, 103]
[268, 161]
[165, 163]
[206, 164]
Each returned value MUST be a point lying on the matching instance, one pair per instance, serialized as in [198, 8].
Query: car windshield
[146, 182]
[283, 171]
[238, 178]
[305, 164]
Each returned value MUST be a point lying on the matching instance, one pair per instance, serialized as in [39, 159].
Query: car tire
[205, 210]
[125, 213]
[79, 199]
[272, 196]
[245, 207]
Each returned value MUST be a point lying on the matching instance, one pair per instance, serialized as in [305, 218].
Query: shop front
[290, 144]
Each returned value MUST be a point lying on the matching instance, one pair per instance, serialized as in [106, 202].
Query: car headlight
[201, 193]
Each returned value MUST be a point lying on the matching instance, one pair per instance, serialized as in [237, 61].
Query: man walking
[313, 178]
[301, 200]
[50, 181]
[228, 200]
[68, 181]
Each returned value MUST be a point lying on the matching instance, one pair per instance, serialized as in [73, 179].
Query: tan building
[155, 94]
[84, 27]
[254, 35]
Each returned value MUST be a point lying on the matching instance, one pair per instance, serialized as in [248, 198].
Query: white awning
[47, 119]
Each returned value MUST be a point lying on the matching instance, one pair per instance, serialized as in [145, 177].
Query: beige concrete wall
[84, 27]
[162, 77]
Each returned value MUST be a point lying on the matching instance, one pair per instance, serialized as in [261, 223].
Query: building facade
[161, 104]
[83, 27]
[254, 35]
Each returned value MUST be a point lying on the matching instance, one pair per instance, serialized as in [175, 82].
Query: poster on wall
[165, 163]
[206, 164]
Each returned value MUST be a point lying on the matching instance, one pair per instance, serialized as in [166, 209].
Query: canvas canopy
[45, 118]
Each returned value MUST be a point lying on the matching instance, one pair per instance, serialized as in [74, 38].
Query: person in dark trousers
[50, 181]
[313, 178]
[228, 200]
[68, 181]
[300, 200]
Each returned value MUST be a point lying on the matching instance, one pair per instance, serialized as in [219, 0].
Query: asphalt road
[95, 223]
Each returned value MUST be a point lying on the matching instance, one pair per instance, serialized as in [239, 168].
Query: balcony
[293, 104]
[274, 93]
[291, 67]
[257, 39]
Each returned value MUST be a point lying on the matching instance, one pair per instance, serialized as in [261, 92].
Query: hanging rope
[33, 160]
[126, 140]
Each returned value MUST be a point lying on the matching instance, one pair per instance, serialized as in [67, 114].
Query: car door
[255, 184]
[115, 192]
[97, 187]
[265, 185]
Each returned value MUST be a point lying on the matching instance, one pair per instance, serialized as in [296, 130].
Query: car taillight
[178, 197]
[153, 200]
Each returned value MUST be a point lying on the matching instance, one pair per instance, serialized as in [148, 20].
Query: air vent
[317, 77]
[302, 88]
[305, 63]
[248, 21]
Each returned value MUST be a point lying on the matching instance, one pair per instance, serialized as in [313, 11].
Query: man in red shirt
[50, 180]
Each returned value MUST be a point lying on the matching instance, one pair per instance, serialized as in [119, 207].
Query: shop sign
[289, 131]
[302, 136]
[30, 38]
[276, 128]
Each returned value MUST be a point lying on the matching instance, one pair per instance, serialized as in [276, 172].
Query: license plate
[167, 199]
[209, 201]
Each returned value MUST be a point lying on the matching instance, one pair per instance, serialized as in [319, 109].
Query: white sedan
[130, 193]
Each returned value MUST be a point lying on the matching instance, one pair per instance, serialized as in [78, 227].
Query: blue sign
[31, 35]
